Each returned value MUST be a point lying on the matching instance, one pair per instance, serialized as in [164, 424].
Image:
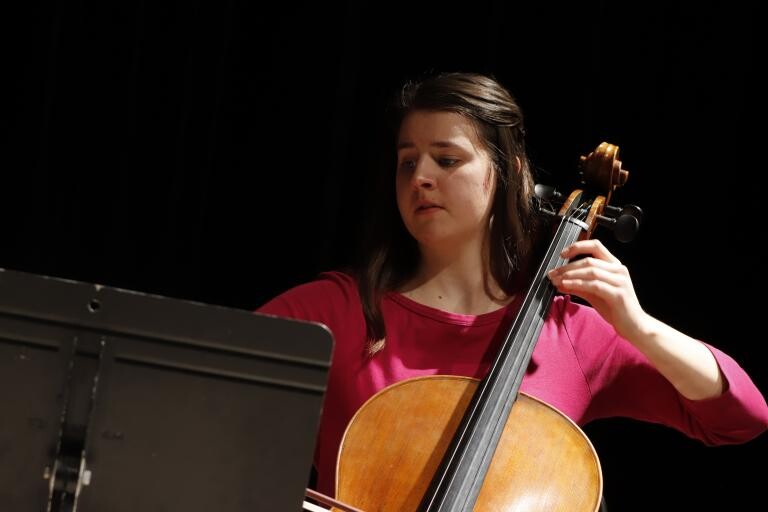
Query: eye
[447, 162]
[407, 165]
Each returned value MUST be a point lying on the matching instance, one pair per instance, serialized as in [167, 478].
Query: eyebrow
[436, 144]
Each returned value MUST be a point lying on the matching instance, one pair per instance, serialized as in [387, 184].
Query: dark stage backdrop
[220, 151]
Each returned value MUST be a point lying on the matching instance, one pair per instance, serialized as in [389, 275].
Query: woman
[443, 282]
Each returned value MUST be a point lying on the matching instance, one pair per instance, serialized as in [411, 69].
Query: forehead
[428, 127]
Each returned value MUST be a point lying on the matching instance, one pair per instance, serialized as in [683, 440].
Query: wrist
[644, 331]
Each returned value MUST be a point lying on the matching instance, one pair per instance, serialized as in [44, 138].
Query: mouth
[427, 207]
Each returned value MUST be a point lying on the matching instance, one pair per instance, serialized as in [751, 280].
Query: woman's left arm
[602, 280]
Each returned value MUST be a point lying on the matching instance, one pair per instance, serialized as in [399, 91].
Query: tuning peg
[624, 222]
[634, 211]
[630, 209]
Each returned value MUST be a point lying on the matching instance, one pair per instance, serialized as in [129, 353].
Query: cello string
[543, 287]
[565, 236]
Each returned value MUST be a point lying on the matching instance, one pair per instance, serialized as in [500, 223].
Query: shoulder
[331, 294]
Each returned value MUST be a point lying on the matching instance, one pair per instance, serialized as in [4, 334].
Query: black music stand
[122, 401]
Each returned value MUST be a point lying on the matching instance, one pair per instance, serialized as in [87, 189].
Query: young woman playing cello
[446, 276]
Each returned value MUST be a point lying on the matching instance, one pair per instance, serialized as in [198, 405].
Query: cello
[450, 443]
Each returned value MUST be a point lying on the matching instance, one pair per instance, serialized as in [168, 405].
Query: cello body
[395, 442]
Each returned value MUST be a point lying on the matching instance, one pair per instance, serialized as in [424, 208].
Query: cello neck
[457, 482]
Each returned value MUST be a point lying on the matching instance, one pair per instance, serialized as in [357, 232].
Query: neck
[456, 280]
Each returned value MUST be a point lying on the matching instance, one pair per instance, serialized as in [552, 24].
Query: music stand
[123, 401]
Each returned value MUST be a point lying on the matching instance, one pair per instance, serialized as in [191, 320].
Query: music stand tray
[123, 401]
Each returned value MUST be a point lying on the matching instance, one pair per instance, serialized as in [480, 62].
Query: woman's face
[445, 179]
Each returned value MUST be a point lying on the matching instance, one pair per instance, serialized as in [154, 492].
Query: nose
[424, 182]
[423, 177]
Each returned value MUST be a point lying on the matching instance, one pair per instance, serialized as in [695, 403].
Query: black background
[220, 151]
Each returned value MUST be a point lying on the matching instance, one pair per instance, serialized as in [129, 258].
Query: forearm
[685, 362]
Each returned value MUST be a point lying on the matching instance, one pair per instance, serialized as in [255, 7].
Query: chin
[433, 239]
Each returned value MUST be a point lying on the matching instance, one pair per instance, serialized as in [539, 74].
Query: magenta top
[579, 366]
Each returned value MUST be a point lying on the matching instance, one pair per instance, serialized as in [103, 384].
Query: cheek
[399, 187]
[484, 191]
[401, 193]
[400, 182]
[488, 182]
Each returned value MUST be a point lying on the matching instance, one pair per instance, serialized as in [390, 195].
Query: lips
[426, 205]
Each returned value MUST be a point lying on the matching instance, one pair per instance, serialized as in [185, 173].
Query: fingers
[591, 261]
[566, 276]
[598, 274]
[603, 288]
[588, 268]
[593, 247]
[590, 289]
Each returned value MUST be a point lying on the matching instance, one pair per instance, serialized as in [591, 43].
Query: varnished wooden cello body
[449, 443]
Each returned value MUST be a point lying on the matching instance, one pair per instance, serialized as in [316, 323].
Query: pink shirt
[580, 365]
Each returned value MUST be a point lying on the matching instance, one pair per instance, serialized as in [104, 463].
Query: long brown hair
[391, 256]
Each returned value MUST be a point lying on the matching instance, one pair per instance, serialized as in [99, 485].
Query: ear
[518, 165]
